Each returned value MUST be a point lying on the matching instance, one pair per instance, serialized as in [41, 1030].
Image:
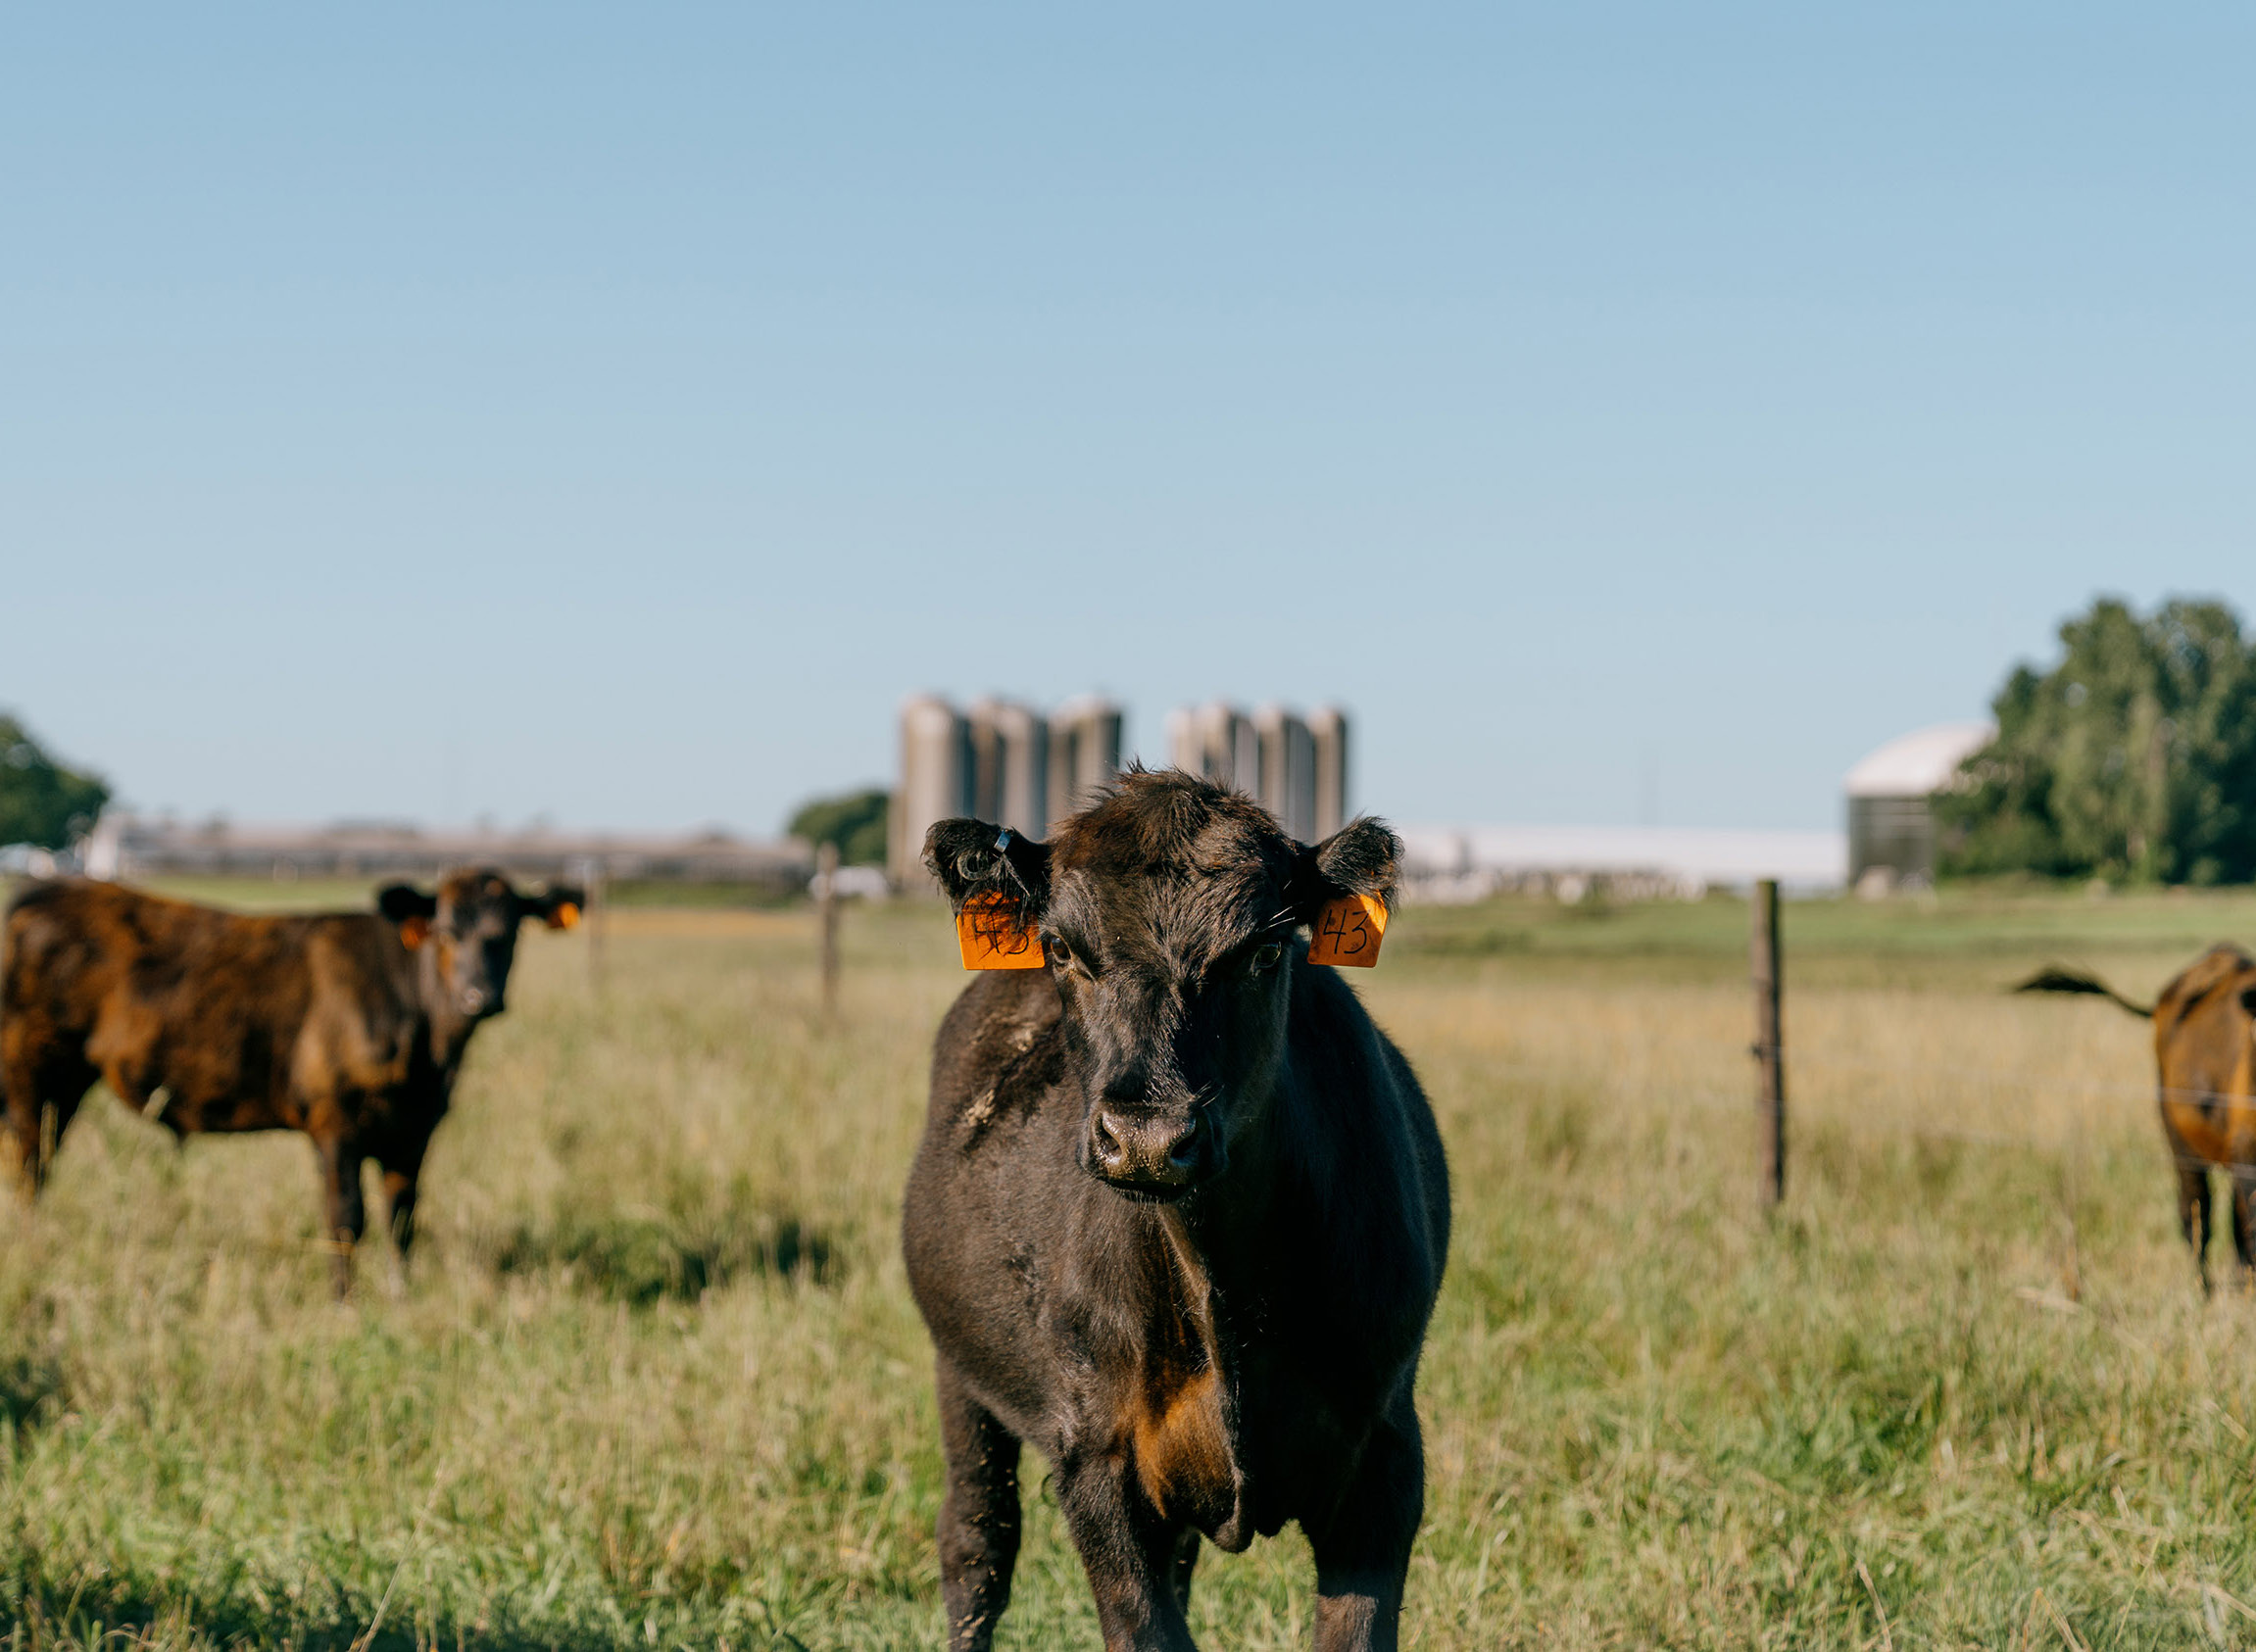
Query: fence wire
[1706, 1098]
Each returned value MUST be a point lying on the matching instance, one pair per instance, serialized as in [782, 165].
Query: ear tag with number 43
[1348, 931]
[993, 936]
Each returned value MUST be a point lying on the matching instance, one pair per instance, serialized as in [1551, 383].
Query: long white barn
[1468, 862]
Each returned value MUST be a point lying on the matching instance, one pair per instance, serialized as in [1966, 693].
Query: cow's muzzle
[1145, 1157]
[476, 1001]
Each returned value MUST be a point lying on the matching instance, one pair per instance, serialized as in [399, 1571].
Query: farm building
[132, 845]
[1459, 864]
[1891, 803]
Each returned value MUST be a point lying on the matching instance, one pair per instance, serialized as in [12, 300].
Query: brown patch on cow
[1179, 1425]
[1181, 1446]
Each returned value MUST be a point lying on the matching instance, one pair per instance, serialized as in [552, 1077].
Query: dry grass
[657, 1383]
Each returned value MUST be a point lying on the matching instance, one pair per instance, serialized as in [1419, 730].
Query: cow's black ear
[560, 908]
[973, 857]
[1362, 857]
[401, 901]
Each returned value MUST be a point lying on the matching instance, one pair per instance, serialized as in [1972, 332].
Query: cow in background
[2204, 1052]
[347, 1025]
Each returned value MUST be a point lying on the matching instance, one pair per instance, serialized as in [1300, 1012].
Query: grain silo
[1009, 765]
[1891, 803]
[1296, 767]
[1214, 742]
[936, 777]
[1002, 761]
[1084, 752]
[1328, 729]
[1286, 755]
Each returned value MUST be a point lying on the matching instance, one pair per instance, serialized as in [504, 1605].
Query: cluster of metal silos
[1295, 766]
[997, 761]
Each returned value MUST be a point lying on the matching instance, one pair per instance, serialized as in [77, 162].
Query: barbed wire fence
[1766, 971]
[2067, 1143]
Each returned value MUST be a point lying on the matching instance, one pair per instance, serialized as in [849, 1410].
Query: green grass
[657, 1381]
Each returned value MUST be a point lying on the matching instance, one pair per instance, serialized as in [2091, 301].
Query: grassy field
[657, 1381]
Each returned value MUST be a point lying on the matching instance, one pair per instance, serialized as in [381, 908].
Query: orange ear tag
[993, 936]
[414, 932]
[1348, 931]
[566, 915]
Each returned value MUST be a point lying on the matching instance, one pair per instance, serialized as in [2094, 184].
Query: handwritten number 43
[1346, 930]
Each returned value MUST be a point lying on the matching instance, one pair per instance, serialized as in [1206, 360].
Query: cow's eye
[1060, 954]
[1265, 957]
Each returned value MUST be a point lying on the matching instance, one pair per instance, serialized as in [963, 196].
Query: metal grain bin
[1010, 746]
[1084, 752]
[1214, 742]
[1328, 728]
[1891, 803]
[1286, 758]
[936, 782]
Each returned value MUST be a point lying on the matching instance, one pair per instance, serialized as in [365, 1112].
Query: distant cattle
[1179, 1216]
[2204, 1044]
[350, 1026]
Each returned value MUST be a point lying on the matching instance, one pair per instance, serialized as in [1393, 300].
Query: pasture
[657, 1383]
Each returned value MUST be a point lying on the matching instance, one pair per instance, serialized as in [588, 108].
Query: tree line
[43, 801]
[49, 805]
[2132, 759]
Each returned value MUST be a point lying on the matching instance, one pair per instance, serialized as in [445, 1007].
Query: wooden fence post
[827, 906]
[598, 916]
[1769, 1040]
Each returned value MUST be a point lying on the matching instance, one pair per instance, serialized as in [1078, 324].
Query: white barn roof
[1918, 764]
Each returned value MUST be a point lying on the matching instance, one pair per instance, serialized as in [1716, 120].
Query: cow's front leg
[25, 1138]
[343, 1213]
[44, 1087]
[402, 1171]
[1363, 1550]
[1185, 1563]
[1131, 1554]
[978, 1517]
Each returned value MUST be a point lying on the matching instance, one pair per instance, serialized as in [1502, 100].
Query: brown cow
[2204, 1035]
[348, 1026]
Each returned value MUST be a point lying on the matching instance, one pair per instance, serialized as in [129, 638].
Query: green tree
[854, 821]
[40, 800]
[2134, 757]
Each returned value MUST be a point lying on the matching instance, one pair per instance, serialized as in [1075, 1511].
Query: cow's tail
[2057, 980]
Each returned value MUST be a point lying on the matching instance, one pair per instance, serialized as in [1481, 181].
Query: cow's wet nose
[473, 1000]
[1162, 1155]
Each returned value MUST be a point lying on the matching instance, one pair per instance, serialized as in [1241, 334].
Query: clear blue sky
[611, 412]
